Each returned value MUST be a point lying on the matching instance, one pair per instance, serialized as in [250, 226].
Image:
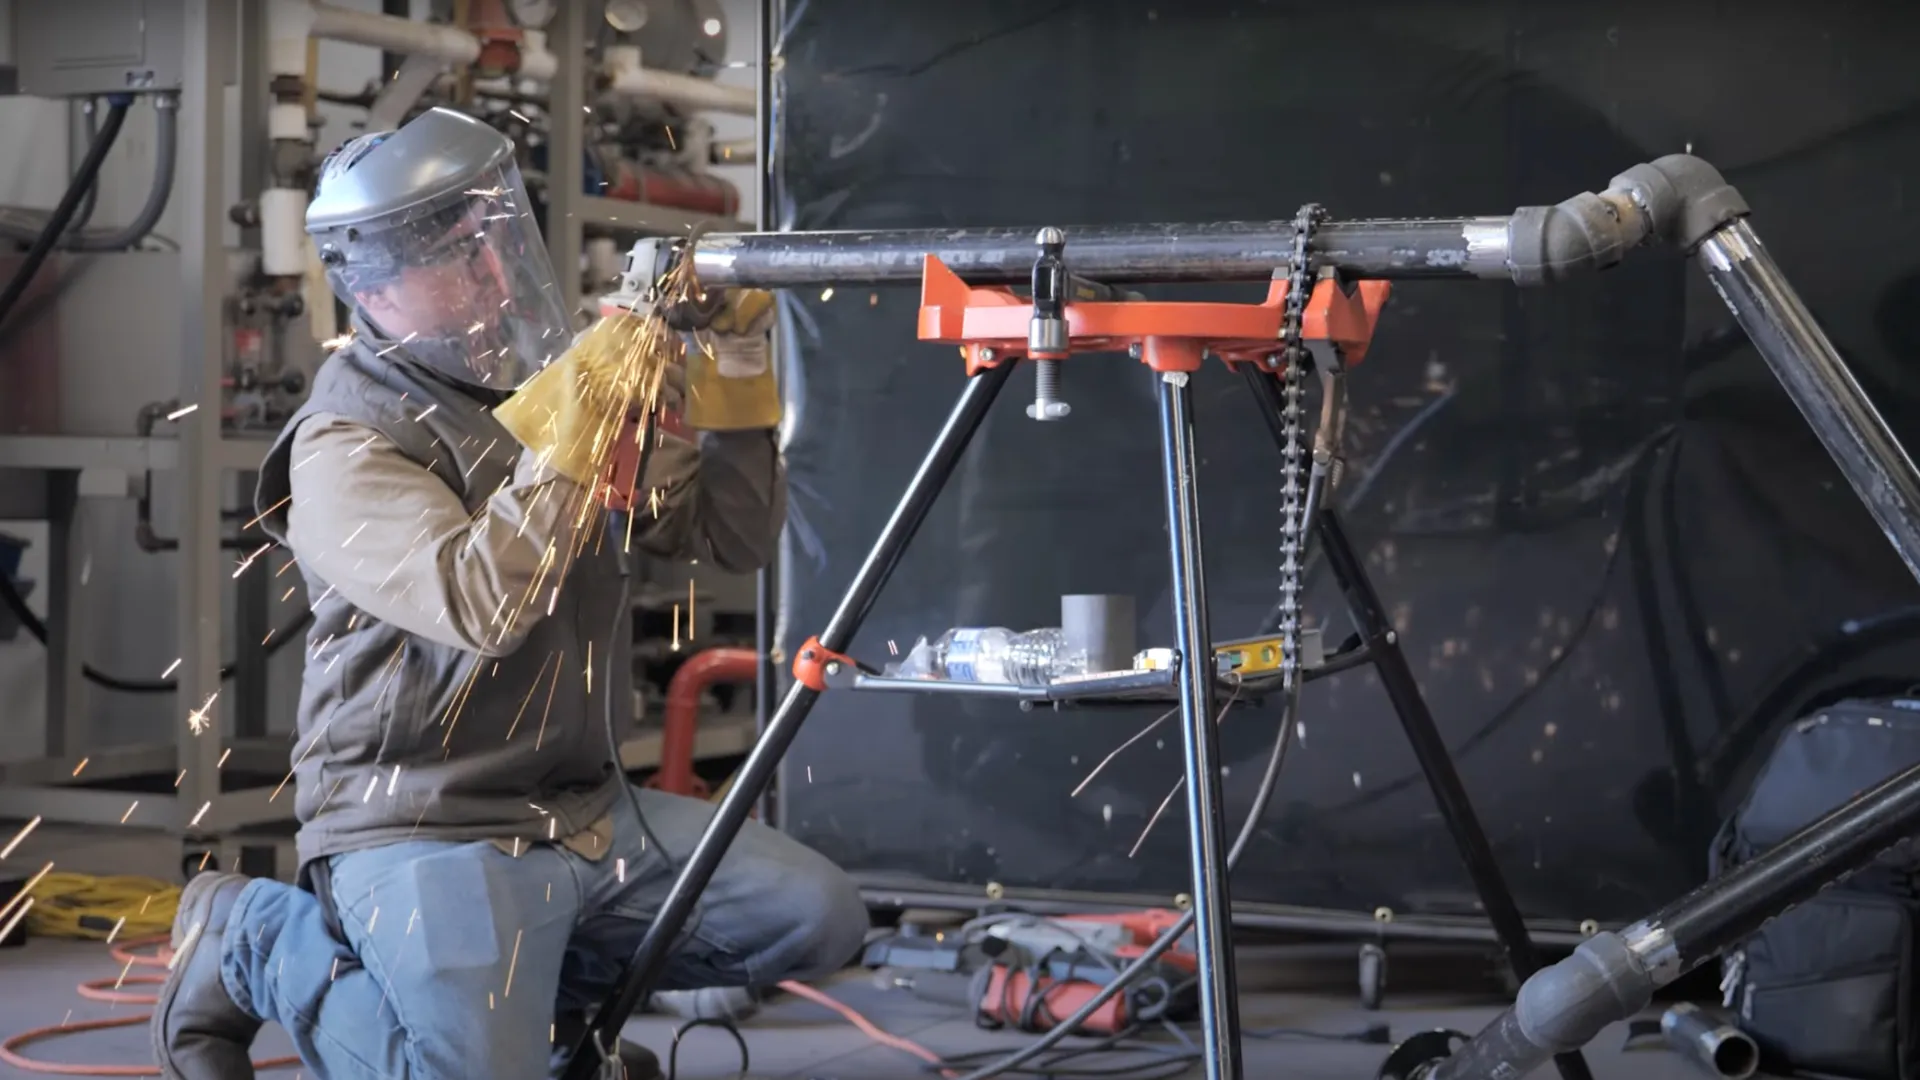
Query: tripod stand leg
[1206, 816]
[651, 956]
[1396, 676]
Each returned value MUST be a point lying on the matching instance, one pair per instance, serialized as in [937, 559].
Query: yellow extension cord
[94, 908]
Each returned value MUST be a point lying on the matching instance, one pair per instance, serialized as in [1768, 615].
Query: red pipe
[681, 722]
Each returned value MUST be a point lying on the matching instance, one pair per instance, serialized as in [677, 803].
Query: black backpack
[1825, 989]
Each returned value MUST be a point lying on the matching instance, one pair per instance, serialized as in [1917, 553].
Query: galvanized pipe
[1111, 254]
[1817, 378]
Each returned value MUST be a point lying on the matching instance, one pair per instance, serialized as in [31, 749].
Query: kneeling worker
[475, 874]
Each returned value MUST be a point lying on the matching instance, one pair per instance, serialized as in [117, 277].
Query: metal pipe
[1710, 1041]
[457, 46]
[396, 35]
[766, 681]
[1206, 814]
[680, 720]
[1815, 376]
[1111, 254]
[664, 933]
[1612, 976]
[686, 91]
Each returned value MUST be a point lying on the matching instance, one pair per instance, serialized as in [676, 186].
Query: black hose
[166, 145]
[10, 596]
[83, 179]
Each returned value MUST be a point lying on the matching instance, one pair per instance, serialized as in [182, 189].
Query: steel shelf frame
[202, 458]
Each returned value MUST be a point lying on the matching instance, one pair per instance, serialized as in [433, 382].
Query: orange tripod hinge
[990, 323]
[810, 664]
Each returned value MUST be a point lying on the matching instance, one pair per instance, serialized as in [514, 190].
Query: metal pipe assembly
[1679, 201]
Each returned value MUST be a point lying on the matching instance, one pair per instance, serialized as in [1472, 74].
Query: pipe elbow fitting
[1684, 198]
[1565, 1005]
[1551, 243]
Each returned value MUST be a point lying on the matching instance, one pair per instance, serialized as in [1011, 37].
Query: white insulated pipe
[449, 43]
[685, 91]
[456, 46]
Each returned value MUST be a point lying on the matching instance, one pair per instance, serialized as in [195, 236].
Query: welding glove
[730, 384]
[577, 410]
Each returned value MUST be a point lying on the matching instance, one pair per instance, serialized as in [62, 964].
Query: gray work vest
[401, 738]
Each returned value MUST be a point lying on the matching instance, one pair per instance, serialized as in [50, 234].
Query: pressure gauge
[626, 16]
[533, 14]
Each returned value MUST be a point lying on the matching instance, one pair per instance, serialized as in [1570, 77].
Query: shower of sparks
[195, 823]
[82, 765]
[182, 411]
[25, 892]
[7, 930]
[117, 927]
[512, 963]
[18, 838]
[1179, 784]
[171, 668]
[200, 719]
[186, 946]
[130, 809]
[335, 344]
[676, 628]
[1116, 752]
[224, 755]
[249, 560]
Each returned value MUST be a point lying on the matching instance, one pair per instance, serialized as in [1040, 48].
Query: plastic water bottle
[993, 654]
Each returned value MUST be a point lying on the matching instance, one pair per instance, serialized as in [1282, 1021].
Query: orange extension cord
[113, 991]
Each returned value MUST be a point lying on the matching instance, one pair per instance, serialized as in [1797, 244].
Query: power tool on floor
[1027, 972]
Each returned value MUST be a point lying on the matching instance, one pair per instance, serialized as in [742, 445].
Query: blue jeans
[459, 956]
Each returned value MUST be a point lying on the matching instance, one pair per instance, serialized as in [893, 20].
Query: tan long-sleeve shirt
[396, 542]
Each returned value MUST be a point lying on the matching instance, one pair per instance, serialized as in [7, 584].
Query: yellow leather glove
[572, 412]
[730, 378]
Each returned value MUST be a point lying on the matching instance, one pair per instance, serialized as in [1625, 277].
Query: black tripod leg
[655, 949]
[1206, 816]
[1436, 761]
[1383, 651]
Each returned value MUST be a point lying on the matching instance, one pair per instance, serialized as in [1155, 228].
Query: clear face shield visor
[461, 284]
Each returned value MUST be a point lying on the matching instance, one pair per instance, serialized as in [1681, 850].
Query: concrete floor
[1295, 987]
[797, 1039]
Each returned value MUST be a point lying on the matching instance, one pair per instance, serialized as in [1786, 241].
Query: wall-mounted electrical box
[86, 48]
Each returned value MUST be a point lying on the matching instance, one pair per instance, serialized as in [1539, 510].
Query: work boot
[198, 1031]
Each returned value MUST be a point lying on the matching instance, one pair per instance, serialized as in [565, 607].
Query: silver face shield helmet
[428, 235]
